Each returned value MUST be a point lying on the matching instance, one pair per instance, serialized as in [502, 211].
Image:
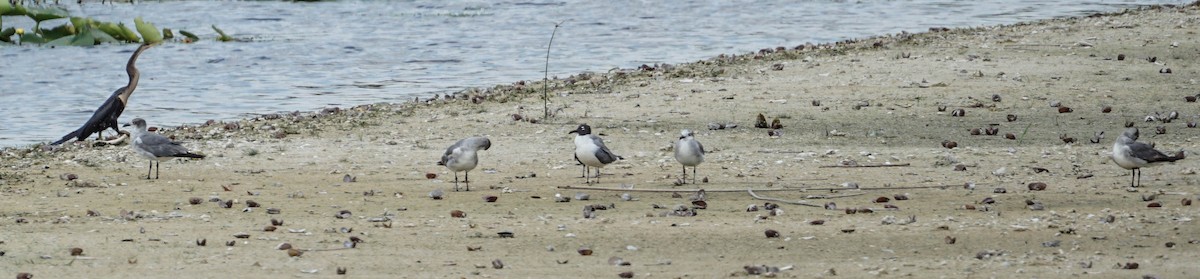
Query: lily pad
[221, 35]
[189, 35]
[44, 14]
[6, 34]
[7, 9]
[32, 38]
[150, 34]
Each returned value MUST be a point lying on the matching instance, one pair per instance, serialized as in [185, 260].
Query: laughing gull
[156, 147]
[106, 116]
[591, 152]
[1133, 155]
[689, 152]
[462, 157]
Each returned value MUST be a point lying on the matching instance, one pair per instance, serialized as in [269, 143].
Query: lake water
[306, 56]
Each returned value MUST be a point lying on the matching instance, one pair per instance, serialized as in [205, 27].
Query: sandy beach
[864, 127]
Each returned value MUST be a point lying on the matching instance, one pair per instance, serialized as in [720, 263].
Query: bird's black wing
[105, 117]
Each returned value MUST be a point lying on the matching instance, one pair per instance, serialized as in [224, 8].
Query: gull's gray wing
[450, 151]
[160, 145]
[604, 155]
[1146, 152]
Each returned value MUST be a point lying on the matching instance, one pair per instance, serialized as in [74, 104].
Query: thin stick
[760, 190]
[834, 196]
[546, 78]
[756, 196]
[866, 166]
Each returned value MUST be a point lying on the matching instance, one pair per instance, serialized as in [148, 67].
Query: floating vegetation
[82, 31]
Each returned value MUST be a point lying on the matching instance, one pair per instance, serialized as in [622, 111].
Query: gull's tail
[190, 155]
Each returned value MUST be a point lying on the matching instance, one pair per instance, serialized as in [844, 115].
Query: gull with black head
[591, 152]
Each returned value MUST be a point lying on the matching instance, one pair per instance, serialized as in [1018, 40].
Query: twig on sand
[760, 190]
[867, 166]
[833, 196]
[120, 139]
[756, 196]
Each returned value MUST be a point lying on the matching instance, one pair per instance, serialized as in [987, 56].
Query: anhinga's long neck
[131, 69]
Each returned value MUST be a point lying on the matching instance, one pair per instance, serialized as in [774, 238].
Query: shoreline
[869, 102]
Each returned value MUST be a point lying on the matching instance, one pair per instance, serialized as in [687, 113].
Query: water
[305, 56]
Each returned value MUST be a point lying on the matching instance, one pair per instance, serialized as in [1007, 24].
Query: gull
[462, 157]
[106, 116]
[1133, 155]
[689, 152]
[156, 147]
[591, 152]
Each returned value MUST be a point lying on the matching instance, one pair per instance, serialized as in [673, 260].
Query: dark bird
[463, 156]
[590, 150]
[106, 116]
[1133, 155]
[156, 147]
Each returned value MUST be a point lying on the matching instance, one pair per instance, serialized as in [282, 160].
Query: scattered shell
[241, 235]
[585, 251]
[195, 201]
[995, 97]
[1186, 202]
[991, 131]
[250, 203]
[230, 243]
[627, 274]
[700, 204]
[816, 222]
[294, 253]
[1037, 186]
[430, 175]
[1064, 109]
[490, 198]
[583, 196]
[497, 264]
[437, 194]
[1000, 190]
[1130, 266]
[1120, 57]
[830, 206]
[761, 121]
[976, 131]
[775, 124]
[349, 179]
[283, 246]
[772, 233]
[457, 213]
[949, 144]
[958, 113]
[76, 251]
[505, 234]
[881, 200]
[960, 167]
[752, 208]
[951, 240]
[272, 211]
[1011, 117]
[1154, 205]
[1190, 98]
[900, 197]
[27, 275]
[343, 214]
[269, 228]
[341, 271]
[1010, 136]
[987, 200]
[1106, 109]
[1160, 130]
[201, 242]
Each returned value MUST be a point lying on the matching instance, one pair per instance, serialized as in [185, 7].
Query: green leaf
[6, 34]
[189, 35]
[221, 35]
[58, 32]
[10, 10]
[84, 37]
[64, 41]
[129, 34]
[44, 14]
[167, 34]
[102, 37]
[32, 38]
[150, 34]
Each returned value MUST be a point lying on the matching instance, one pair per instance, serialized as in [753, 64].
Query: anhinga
[106, 116]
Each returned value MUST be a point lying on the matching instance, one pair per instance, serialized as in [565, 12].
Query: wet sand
[880, 102]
